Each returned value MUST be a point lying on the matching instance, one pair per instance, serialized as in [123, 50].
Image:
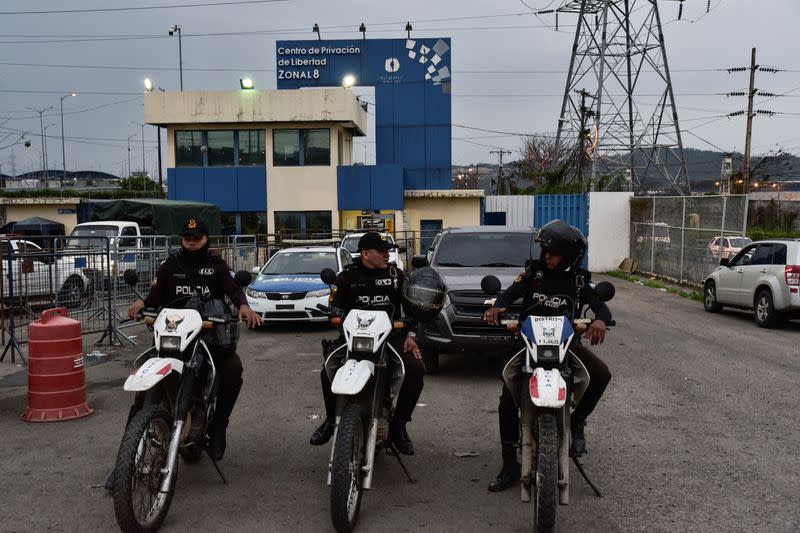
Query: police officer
[195, 270]
[372, 282]
[557, 272]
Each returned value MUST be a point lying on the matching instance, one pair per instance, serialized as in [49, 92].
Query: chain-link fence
[683, 237]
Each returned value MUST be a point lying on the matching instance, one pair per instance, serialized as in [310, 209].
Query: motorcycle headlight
[318, 294]
[547, 354]
[170, 343]
[256, 294]
[363, 344]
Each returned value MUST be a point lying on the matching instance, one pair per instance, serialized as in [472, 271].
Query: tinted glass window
[286, 148]
[251, 148]
[254, 222]
[287, 222]
[220, 148]
[739, 242]
[318, 224]
[779, 254]
[187, 148]
[486, 250]
[763, 255]
[317, 147]
[301, 263]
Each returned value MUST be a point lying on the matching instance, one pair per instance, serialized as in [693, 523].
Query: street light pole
[172, 29]
[129, 154]
[46, 176]
[142, 125]
[63, 152]
[44, 141]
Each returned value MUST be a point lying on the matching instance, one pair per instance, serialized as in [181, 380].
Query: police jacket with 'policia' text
[360, 287]
[178, 277]
[538, 284]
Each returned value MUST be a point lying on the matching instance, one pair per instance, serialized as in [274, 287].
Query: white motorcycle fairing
[547, 331]
[547, 388]
[183, 323]
[352, 376]
[151, 373]
[374, 325]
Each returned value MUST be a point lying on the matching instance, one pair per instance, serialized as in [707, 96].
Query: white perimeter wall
[518, 209]
[609, 229]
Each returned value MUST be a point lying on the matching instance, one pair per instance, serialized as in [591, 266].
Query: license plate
[284, 306]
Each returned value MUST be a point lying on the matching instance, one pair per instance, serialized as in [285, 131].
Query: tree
[138, 183]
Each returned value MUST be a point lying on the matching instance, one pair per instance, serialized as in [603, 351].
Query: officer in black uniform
[195, 270]
[371, 281]
[557, 272]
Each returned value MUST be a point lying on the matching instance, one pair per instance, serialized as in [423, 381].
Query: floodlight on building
[315, 29]
[363, 30]
[246, 83]
[148, 85]
[408, 29]
[348, 81]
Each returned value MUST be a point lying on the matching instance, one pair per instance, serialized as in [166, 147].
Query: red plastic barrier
[56, 377]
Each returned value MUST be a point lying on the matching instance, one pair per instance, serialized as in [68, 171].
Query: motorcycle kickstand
[390, 446]
[219, 471]
[583, 473]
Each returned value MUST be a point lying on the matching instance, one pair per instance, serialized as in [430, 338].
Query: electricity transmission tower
[620, 56]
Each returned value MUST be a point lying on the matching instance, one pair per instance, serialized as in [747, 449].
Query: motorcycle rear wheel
[544, 507]
[346, 472]
[139, 505]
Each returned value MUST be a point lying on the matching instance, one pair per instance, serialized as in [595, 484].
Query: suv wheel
[710, 302]
[764, 310]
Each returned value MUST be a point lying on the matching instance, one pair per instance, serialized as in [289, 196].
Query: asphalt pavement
[697, 431]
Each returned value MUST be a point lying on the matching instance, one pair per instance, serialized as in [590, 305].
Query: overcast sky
[503, 36]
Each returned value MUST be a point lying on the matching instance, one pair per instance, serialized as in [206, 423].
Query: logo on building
[392, 65]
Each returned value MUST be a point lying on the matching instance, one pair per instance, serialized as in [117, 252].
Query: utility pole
[586, 113]
[749, 134]
[44, 141]
[500, 153]
[160, 177]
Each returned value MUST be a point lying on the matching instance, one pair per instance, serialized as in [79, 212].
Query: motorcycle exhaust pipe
[370, 462]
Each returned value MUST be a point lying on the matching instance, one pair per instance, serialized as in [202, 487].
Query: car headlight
[256, 294]
[547, 354]
[363, 344]
[318, 294]
[170, 343]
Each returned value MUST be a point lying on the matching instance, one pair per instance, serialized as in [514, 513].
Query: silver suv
[764, 276]
[463, 256]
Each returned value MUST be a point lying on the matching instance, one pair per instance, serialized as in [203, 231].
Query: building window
[187, 149]
[303, 224]
[254, 222]
[220, 148]
[286, 148]
[252, 151]
[293, 148]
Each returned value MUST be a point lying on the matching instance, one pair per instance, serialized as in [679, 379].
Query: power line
[138, 8]
[80, 111]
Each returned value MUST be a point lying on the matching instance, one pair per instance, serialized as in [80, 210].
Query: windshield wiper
[449, 264]
[499, 264]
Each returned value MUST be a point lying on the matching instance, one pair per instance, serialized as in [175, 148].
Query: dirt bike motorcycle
[176, 386]
[547, 380]
[366, 375]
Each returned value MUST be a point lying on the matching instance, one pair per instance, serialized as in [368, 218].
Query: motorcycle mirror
[243, 278]
[131, 277]
[328, 276]
[490, 285]
[605, 290]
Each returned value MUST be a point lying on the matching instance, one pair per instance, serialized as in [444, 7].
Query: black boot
[578, 438]
[510, 473]
[324, 432]
[217, 440]
[399, 437]
[109, 486]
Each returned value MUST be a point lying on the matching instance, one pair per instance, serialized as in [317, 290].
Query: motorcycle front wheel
[544, 507]
[138, 503]
[346, 472]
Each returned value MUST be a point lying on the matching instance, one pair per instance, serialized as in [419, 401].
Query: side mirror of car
[419, 261]
[328, 276]
[256, 270]
[605, 290]
[402, 250]
[131, 277]
[724, 261]
[490, 285]
[243, 278]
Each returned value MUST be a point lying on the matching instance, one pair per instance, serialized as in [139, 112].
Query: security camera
[27, 144]
[204, 148]
[173, 29]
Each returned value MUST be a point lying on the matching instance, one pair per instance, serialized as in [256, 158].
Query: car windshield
[488, 249]
[86, 232]
[301, 263]
[739, 242]
[351, 243]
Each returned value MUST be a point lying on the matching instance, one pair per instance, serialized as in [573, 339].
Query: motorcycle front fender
[352, 376]
[152, 372]
[547, 388]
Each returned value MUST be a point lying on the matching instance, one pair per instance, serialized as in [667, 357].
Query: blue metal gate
[571, 208]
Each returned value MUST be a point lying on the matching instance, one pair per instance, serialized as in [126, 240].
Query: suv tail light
[793, 275]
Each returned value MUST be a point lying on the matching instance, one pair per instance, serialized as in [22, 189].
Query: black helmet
[423, 294]
[559, 238]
